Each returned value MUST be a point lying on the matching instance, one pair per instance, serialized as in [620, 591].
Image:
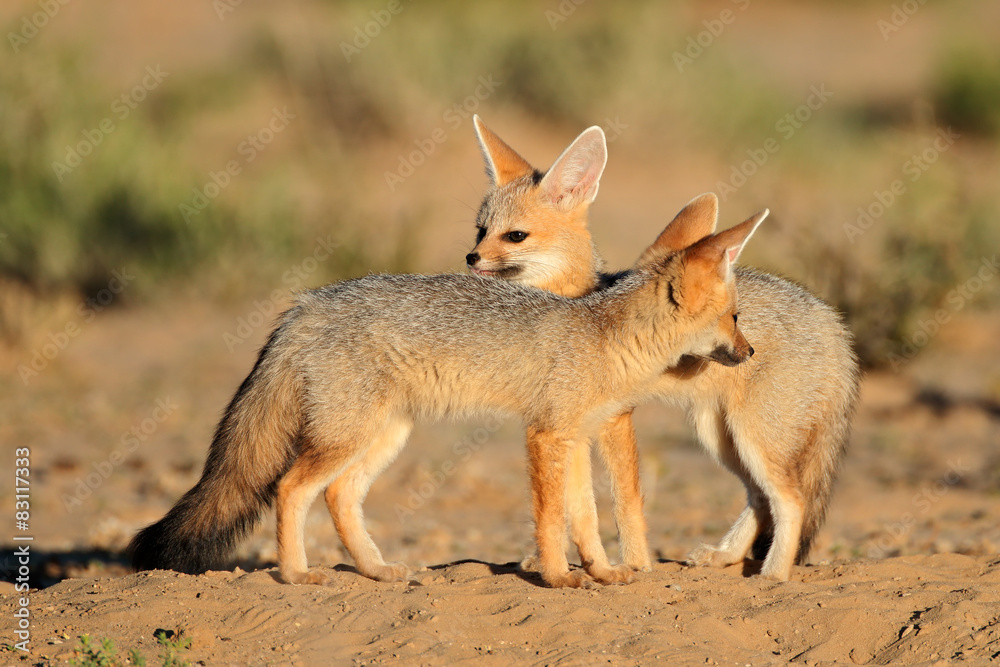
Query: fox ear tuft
[693, 223]
[503, 164]
[736, 237]
[722, 250]
[575, 177]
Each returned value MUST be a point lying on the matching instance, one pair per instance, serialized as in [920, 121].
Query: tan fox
[779, 422]
[350, 368]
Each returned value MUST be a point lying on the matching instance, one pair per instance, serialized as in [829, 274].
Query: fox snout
[728, 356]
[495, 268]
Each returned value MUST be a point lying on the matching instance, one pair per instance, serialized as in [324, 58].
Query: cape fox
[351, 366]
[779, 422]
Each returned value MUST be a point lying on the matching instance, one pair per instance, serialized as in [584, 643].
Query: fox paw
[708, 556]
[389, 572]
[640, 564]
[614, 574]
[530, 564]
[307, 577]
[775, 573]
[571, 579]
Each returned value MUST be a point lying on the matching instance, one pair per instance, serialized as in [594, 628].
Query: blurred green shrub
[79, 201]
[87, 192]
[924, 252]
[967, 91]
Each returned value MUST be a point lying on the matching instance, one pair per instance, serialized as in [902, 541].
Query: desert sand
[905, 610]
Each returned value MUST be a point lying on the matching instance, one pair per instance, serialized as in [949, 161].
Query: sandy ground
[905, 572]
[904, 610]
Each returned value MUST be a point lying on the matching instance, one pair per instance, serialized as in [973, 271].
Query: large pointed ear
[721, 251]
[503, 164]
[694, 222]
[576, 175]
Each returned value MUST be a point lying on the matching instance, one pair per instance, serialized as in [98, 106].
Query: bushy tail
[252, 449]
[830, 437]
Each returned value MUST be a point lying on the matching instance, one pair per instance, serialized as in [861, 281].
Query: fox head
[532, 226]
[694, 267]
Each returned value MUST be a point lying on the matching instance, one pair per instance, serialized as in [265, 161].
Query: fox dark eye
[516, 237]
[735, 317]
[480, 234]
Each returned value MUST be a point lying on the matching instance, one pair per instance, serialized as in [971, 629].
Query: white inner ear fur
[575, 177]
[733, 252]
[491, 169]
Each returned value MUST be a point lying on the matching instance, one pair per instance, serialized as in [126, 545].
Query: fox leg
[775, 501]
[775, 495]
[583, 520]
[788, 512]
[754, 523]
[738, 541]
[346, 494]
[312, 470]
[620, 453]
[548, 460]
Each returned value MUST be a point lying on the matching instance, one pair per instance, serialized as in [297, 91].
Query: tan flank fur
[351, 367]
[780, 422]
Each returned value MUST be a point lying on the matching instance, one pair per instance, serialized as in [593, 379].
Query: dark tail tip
[142, 551]
[158, 547]
[173, 543]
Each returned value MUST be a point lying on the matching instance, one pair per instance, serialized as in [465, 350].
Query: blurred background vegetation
[363, 103]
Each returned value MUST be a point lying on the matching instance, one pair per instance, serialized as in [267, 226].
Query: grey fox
[350, 368]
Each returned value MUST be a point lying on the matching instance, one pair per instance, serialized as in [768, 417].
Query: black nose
[751, 352]
[472, 258]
